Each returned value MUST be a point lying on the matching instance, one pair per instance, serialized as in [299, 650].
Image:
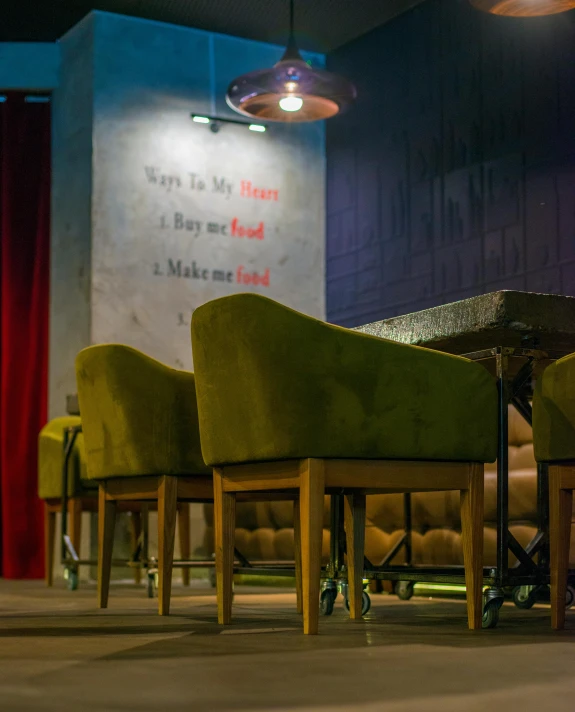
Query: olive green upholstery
[51, 459]
[139, 416]
[554, 412]
[275, 384]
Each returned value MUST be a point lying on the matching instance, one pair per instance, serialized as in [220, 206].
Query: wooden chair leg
[75, 524]
[145, 520]
[224, 536]
[560, 508]
[354, 505]
[49, 543]
[472, 541]
[106, 524]
[312, 490]
[184, 535]
[297, 555]
[135, 531]
[167, 512]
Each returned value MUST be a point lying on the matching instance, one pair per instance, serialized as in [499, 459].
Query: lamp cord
[291, 51]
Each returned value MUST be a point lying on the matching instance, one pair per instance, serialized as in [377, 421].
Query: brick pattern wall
[454, 173]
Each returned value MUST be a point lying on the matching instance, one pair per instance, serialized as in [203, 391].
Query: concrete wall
[71, 228]
[146, 202]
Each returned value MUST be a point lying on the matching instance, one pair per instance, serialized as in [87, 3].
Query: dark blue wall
[454, 174]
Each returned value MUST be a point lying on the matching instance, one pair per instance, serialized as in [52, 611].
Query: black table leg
[407, 520]
[337, 539]
[65, 459]
[502, 362]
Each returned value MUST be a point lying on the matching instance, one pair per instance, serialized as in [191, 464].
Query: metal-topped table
[506, 319]
[515, 335]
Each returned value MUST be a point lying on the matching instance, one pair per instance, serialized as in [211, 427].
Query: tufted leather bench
[265, 529]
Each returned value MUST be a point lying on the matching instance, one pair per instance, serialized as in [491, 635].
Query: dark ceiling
[321, 25]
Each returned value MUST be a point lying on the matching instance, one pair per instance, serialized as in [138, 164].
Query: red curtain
[24, 298]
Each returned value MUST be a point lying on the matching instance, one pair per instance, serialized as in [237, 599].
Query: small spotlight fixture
[216, 122]
[37, 99]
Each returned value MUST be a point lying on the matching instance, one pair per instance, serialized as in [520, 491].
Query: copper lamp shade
[290, 91]
[524, 8]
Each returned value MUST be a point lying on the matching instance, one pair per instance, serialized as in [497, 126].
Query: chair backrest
[139, 416]
[275, 384]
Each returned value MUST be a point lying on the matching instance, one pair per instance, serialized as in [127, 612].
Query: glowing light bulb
[291, 86]
[291, 103]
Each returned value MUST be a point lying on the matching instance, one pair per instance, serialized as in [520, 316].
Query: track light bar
[215, 123]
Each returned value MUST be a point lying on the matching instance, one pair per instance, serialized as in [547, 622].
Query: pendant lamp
[524, 8]
[291, 90]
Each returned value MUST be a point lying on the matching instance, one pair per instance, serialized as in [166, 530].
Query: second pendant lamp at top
[291, 90]
[524, 8]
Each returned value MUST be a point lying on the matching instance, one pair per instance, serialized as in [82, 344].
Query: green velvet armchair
[288, 403]
[554, 446]
[82, 494]
[142, 444]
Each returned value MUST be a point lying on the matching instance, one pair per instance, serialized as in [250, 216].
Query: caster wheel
[72, 580]
[491, 614]
[569, 597]
[365, 603]
[404, 590]
[327, 601]
[152, 585]
[524, 597]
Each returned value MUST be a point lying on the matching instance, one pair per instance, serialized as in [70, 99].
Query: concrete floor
[57, 652]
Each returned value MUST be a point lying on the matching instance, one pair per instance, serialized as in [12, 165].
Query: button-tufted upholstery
[264, 530]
